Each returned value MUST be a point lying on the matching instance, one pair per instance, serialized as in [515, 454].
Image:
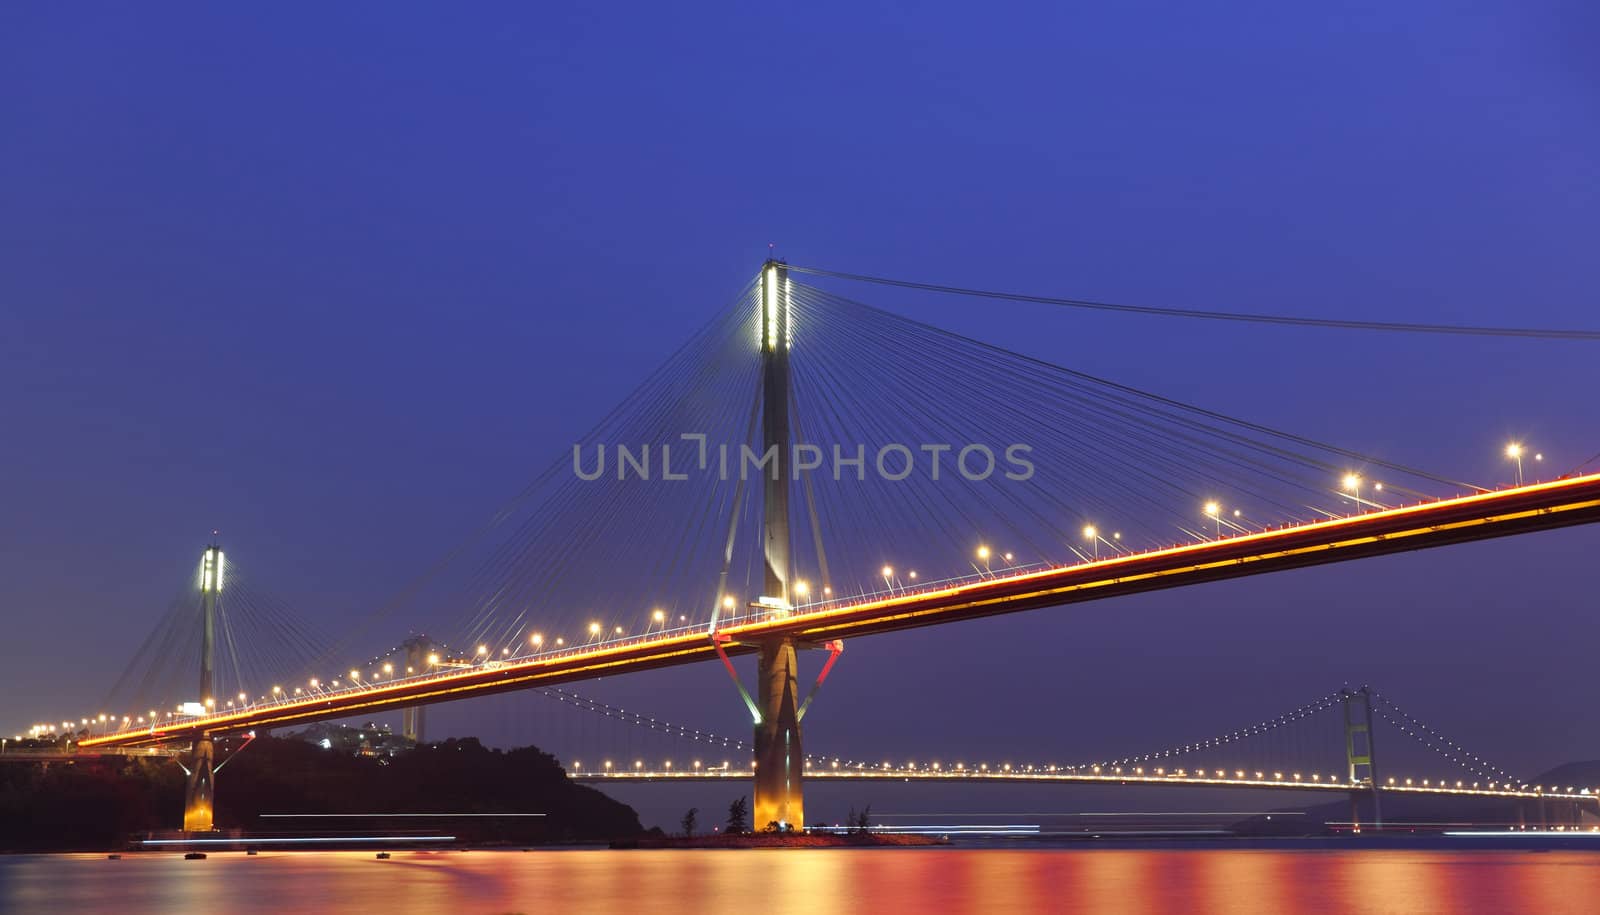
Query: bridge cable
[1293, 320]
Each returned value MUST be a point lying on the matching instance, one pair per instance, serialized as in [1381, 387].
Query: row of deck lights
[1114, 771]
[1237, 774]
[1351, 482]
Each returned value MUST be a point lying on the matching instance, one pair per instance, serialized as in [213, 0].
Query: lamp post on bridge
[1514, 452]
[1352, 483]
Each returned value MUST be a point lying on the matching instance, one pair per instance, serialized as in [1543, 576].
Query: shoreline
[782, 840]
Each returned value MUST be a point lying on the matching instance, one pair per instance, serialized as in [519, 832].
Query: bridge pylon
[779, 761]
[199, 799]
[1361, 754]
[413, 719]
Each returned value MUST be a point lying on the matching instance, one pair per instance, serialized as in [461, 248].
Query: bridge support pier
[199, 799]
[779, 760]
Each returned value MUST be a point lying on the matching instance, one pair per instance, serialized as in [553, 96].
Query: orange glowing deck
[1541, 506]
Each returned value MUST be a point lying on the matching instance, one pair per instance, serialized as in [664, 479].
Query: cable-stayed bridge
[808, 469]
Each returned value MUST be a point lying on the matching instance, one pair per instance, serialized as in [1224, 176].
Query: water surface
[811, 881]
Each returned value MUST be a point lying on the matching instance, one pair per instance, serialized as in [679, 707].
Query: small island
[304, 783]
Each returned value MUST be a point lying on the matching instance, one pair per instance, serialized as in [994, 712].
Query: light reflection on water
[811, 881]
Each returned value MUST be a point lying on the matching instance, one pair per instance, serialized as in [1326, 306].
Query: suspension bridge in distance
[1188, 766]
[789, 616]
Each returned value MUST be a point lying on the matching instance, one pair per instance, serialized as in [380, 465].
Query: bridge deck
[1540, 506]
[1176, 779]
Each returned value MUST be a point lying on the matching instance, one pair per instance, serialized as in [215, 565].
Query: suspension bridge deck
[1170, 778]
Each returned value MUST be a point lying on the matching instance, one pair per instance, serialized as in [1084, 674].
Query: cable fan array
[919, 457]
[260, 643]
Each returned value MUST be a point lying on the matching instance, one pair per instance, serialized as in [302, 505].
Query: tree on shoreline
[738, 814]
[689, 822]
[860, 822]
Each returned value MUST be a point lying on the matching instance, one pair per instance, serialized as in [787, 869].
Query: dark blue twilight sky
[337, 278]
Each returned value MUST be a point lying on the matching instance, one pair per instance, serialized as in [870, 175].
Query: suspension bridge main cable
[1249, 317]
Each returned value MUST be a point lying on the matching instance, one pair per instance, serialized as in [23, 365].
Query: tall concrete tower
[420, 655]
[199, 799]
[779, 761]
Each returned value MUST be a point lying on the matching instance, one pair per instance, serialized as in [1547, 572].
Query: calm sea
[878, 881]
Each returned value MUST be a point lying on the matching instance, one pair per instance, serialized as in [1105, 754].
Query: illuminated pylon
[779, 760]
[200, 796]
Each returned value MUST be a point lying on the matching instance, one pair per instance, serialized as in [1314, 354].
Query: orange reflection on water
[777, 881]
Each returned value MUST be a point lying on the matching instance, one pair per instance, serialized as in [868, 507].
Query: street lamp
[1514, 452]
[1214, 511]
[1352, 482]
[1093, 536]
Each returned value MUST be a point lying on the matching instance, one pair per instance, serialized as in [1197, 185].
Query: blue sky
[338, 280]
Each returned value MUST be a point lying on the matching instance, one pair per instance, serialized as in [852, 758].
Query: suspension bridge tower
[199, 799]
[779, 762]
[1361, 754]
